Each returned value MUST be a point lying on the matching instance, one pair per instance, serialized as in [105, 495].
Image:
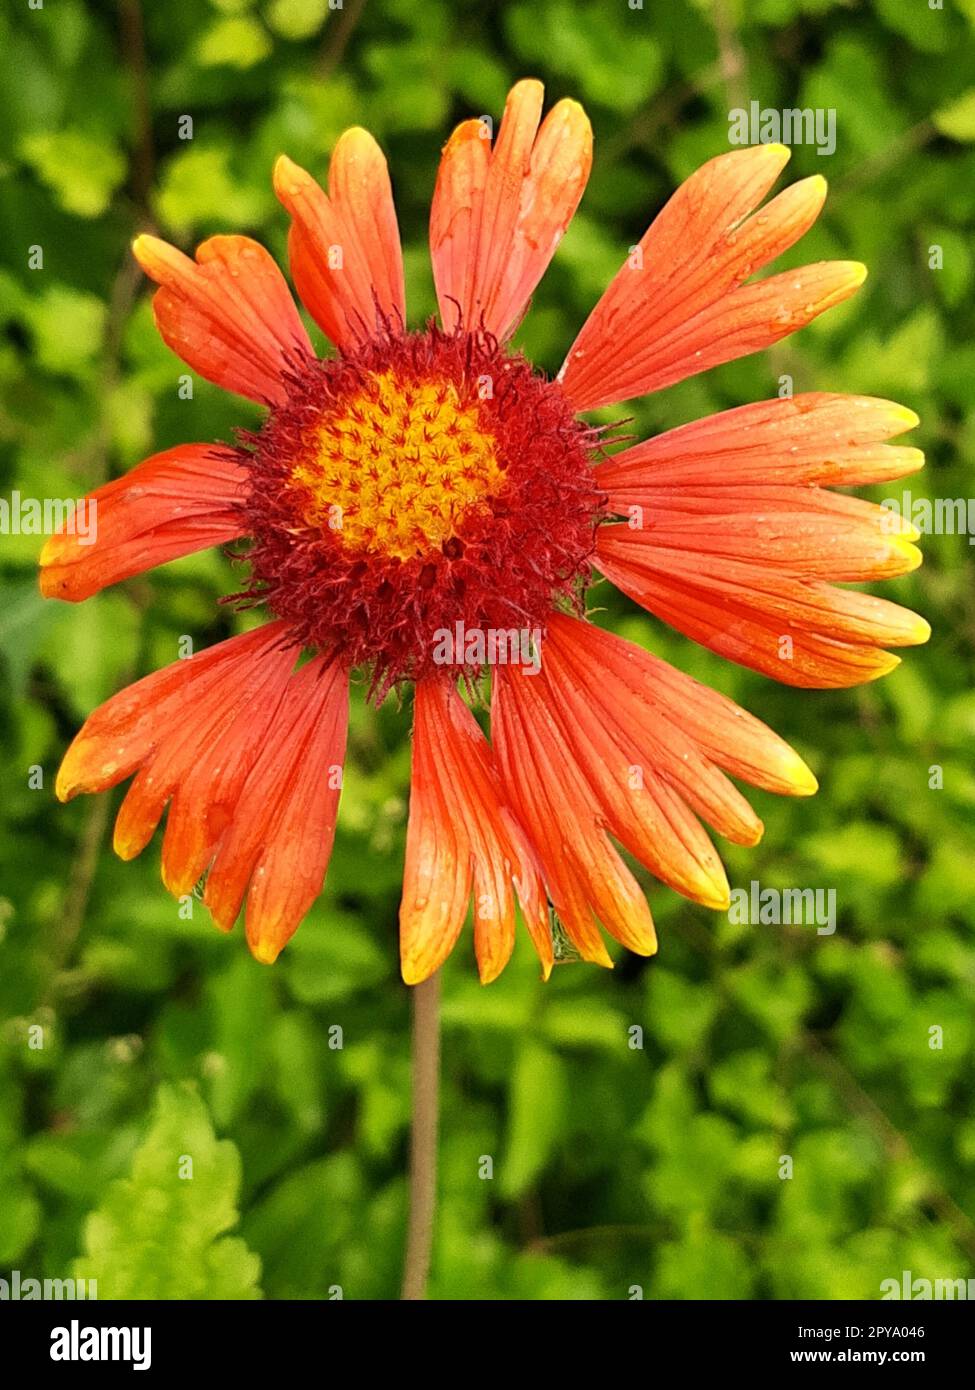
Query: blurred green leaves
[958, 118]
[198, 186]
[160, 1232]
[539, 1091]
[82, 170]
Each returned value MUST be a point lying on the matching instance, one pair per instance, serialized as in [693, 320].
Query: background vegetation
[613, 1166]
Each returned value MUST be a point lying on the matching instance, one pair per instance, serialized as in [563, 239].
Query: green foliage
[958, 118]
[637, 1119]
[82, 171]
[160, 1232]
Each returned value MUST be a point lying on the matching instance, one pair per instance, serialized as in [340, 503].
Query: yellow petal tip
[905, 416]
[802, 781]
[911, 460]
[49, 550]
[920, 631]
[145, 248]
[356, 135]
[265, 952]
[884, 667]
[912, 555]
[288, 179]
[414, 972]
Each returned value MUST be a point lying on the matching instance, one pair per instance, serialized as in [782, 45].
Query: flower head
[421, 480]
[421, 500]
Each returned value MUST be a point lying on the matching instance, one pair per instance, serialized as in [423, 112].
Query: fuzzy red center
[429, 484]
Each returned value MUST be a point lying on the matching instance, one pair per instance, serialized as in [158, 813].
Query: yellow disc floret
[397, 467]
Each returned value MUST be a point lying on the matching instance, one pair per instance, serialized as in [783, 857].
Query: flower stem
[423, 1149]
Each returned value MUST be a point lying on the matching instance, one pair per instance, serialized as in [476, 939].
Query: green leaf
[329, 960]
[241, 1002]
[679, 1013]
[68, 328]
[160, 1232]
[538, 1100]
[704, 1264]
[297, 19]
[954, 275]
[82, 170]
[957, 119]
[20, 1215]
[236, 42]
[24, 617]
[198, 186]
[91, 647]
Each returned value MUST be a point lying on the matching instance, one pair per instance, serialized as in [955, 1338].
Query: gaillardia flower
[424, 484]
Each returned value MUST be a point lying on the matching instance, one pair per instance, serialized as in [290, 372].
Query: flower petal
[250, 756]
[461, 837]
[174, 503]
[201, 744]
[641, 798]
[229, 314]
[803, 531]
[680, 304]
[646, 750]
[585, 877]
[498, 215]
[280, 840]
[730, 539]
[344, 246]
[123, 732]
[797, 630]
[682, 729]
[815, 438]
[206, 769]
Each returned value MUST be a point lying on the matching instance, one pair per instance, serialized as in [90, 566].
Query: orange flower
[427, 506]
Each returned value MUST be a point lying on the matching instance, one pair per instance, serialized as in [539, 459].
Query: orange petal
[792, 629]
[251, 757]
[498, 215]
[455, 219]
[803, 531]
[460, 838]
[818, 438]
[730, 539]
[280, 839]
[647, 749]
[172, 504]
[344, 246]
[189, 752]
[206, 768]
[680, 728]
[585, 876]
[122, 733]
[632, 779]
[680, 304]
[229, 314]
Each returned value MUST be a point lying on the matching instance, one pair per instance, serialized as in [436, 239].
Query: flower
[423, 489]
